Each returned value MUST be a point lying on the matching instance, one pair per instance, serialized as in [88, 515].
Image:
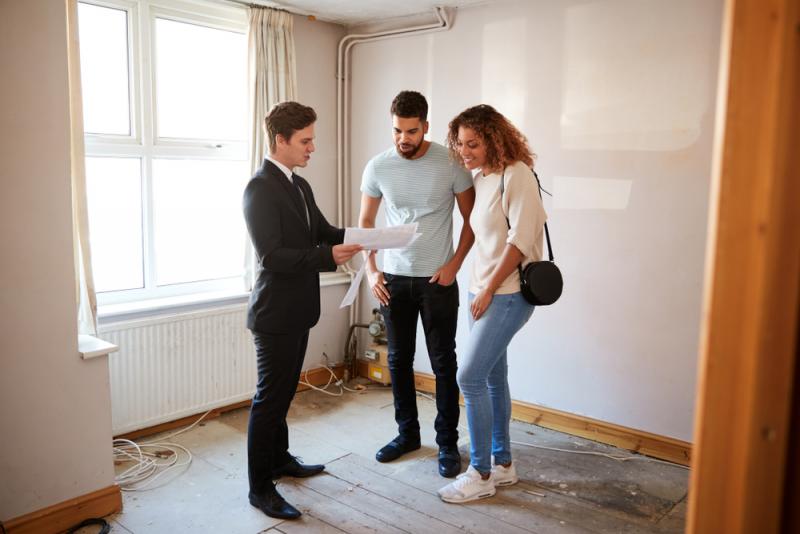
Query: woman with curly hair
[508, 230]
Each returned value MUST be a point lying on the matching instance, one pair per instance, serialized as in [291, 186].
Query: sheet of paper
[382, 238]
[375, 239]
[352, 291]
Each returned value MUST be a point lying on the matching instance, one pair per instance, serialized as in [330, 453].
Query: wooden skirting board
[664, 448]
[316, 377]
[67, 514]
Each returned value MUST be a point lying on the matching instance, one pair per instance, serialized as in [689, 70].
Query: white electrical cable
[324, 389]
[338, 382]
[150, 460]
[162, 438]
[425, 395]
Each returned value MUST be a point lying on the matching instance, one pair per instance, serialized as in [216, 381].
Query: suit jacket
[291, 251]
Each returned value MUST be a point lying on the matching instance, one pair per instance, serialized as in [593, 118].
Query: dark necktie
[300, 198]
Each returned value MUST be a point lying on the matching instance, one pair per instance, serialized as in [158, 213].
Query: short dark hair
[286, 118]
[409, 104]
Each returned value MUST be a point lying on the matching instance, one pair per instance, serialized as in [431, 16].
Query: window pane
[201, 82]
[199, 227]
[114, 194]
[103, 34]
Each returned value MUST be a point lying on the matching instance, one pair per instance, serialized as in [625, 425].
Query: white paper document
[382, 238]
[352, 291]
[375, 239]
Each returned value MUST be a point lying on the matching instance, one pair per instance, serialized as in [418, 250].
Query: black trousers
[437, 305]
[280, 360]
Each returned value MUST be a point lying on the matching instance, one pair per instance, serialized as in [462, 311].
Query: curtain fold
[84, 281]
[272, 78]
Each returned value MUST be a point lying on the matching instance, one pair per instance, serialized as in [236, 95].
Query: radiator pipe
[350, 351]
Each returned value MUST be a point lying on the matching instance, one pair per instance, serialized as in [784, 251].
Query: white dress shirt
[288, 172]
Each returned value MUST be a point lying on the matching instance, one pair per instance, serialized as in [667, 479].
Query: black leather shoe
[295, 469]
[396, 448]
[449, 461]
[271, 503]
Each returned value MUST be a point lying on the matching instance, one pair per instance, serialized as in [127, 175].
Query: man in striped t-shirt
[420, 184]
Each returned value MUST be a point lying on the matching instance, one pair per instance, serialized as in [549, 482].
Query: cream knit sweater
[523, 207]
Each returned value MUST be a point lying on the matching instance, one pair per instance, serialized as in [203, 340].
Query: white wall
[55, 417]
[617, 99]
[315, 48]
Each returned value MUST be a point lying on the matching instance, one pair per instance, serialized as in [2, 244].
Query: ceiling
[356, 12]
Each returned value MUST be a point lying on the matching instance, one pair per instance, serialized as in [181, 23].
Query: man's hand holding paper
[382, 238]
[376, 239]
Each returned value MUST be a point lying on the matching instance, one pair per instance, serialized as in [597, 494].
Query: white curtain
[271, 79]
[84, 282]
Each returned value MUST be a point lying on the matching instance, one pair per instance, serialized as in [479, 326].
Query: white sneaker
[504, 476]
[469, 486]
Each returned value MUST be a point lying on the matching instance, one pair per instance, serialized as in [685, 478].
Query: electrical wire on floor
[332, 380]
[426, 396]
[569, 451]
[150, 460]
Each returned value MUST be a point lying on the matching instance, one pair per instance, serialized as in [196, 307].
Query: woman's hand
[481, 303]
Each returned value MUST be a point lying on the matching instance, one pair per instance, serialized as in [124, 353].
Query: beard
[411, 153]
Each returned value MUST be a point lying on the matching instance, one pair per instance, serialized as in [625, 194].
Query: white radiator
[173, 366]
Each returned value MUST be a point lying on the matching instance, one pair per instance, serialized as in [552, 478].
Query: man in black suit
[293, 242]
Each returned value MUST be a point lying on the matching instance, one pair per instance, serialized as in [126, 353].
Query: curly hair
[410, 104]
[505, 144]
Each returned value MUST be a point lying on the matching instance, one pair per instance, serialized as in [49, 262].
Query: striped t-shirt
[417, 190]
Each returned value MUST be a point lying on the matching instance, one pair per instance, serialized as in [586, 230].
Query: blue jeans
[483, 378]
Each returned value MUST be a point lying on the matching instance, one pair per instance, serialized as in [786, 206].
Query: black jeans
[279, 359]
[412, 297]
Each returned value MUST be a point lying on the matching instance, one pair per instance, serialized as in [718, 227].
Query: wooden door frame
[749, 340]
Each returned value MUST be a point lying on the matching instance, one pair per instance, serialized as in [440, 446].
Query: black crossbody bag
[540, 282]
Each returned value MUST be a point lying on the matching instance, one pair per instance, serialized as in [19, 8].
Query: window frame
[143, 143]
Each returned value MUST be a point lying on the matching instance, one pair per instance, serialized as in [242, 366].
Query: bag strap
[539, 184]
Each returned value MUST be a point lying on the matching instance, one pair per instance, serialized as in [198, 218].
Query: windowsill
[112, 313]
[91, 347]
[125, 311]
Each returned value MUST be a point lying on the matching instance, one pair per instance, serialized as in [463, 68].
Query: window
[165, 119]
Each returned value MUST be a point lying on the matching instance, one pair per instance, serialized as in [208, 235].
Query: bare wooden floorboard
[637, 490]
[307, 523]
[674, 520]
[384, 509]
[333, 512]
[570, 511]
[401, 495]
[555, 513]
[499, 512]
[559, 493]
